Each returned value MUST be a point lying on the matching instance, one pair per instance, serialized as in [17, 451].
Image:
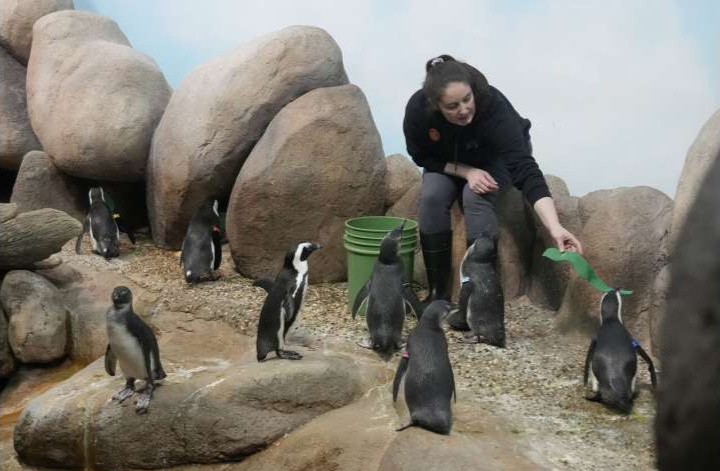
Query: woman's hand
[565, 240]
[480, 181]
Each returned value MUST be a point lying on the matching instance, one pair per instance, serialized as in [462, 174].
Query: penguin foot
[367, 343]
[592, 397]
[141, 405]
[289, 355]
[408, 425]
[470, 339]
[124, 394]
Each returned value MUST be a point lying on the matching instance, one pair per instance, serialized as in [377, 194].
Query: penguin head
[390, 245]
[298, 255]
[208, 212]
[96, 194]
[611, 307]
[121, 296]
[434, 315]
[483, 249]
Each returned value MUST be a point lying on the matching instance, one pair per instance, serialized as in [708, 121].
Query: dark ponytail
[444, 69]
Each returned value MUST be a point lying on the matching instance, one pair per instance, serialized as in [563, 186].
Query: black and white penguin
[611, 361]
[481, 297]
[133, 344]
[429, 379]
[283, 302]
[201, 249]
[103, 226]
[387, 295]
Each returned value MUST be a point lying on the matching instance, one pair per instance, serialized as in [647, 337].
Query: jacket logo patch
[434, 134]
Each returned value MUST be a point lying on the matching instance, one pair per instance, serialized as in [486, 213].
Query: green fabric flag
[583, 268]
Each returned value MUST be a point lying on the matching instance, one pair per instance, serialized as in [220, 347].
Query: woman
[471, 143]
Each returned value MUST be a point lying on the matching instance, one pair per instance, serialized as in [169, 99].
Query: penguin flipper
[78, 243]
[110, 361]
[361, 297]
[402, 368]
[123, 228]
[588, 359]
[412, 302]
[651, 367]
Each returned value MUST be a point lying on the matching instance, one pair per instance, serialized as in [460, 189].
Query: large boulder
[17, 18]
[7, 211]
[34, 236]
[94, 102]
[16, 135]
[319, 163]
[402, 175]
[7, 360]
[687, 426]
[362, 437]
[407, 205]
[515, 240]
[220, 111]
[40, 185]
[703, 152]
[37, 317]
[623, 232]
[548, 279]
[208, 410]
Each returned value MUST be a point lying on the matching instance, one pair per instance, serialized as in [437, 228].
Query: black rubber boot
[437, 253]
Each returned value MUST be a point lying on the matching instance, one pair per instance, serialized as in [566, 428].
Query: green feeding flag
[582, 267]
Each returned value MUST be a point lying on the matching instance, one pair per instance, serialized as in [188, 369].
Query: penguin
[133, 344]
[103, 225]
[201, 249]
[611, 361]
[429, 379]
[481, 300]
[387, 296]
[283, 303]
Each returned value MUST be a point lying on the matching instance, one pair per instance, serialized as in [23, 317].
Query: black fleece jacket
[497, 141]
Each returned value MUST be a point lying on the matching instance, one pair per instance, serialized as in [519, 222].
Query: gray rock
[16, 135]
[704, 151]
[207, 411]
[687, 426]
[105, 135]
[402, 175]
[17, 18]
[7, 211]
[7, 360]
[37, 317]
[362, 437]
[516, 236]
[34, 236]
[58, 190]
[622, 235]
[407, 205]
[220, 111]
[301, 183]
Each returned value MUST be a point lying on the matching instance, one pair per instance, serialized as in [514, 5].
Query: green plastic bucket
[362, 240]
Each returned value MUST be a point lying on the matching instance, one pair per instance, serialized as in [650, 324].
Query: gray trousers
[440, 191]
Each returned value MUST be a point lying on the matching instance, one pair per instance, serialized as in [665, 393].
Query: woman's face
[457, 103]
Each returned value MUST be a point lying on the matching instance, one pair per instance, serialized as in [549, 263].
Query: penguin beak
[315, 247]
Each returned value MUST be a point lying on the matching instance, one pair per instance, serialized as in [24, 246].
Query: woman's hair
[444, 69]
